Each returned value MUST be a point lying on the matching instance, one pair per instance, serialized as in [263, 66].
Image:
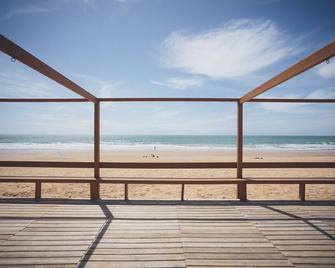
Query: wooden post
[241, 187]
[302, 191]
[38, 190]
[126, 191]
[95, 187]
[93, 190]
[242, 191]
[182, 192]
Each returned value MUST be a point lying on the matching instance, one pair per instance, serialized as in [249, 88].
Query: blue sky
[167, 48]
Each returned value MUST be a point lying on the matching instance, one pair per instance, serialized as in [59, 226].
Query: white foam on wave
[128, 146]
[45, 146]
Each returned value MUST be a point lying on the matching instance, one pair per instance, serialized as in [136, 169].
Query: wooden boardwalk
[170, 234]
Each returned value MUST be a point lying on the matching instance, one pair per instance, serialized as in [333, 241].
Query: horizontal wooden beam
[165, 100]
[158, 180]
[314, 59]
[122, 100]
[30, 179]
[293, 180]
[289, 165]
[46, 164]
[294, 100]
[169, 99]
[133, 165]
[171, 180]
[166, 165]
[44, 100]
[18, 53]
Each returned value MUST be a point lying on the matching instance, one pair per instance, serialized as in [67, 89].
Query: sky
[167, 48]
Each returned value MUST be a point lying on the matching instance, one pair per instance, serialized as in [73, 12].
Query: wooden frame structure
[16, 52]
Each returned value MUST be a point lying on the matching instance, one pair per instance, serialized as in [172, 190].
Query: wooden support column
[241, 187]
[126, 191]
[94, 190]
[95, 187]
[242, 191]
[38, 190]
[302, 191]
[182, 192]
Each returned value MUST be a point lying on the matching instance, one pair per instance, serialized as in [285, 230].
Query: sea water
[167, 141]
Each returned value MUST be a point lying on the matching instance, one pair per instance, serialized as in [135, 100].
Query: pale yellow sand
[168, 191]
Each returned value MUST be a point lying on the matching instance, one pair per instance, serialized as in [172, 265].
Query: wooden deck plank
[135, 257]
[134, 264]
[36, 261]
[41, 266]
[235, 256]
[154, 235]
[242, 263]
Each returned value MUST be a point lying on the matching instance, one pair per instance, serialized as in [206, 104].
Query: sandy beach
[143, 192]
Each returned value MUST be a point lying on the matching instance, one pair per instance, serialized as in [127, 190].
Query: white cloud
[28, 10]
[238, 48]
[327, 70]
[180, 82]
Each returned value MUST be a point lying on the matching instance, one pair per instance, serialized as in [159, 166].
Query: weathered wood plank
[134, 264]
[135, 257]
[33, 261]
[168, 235]
[245, 263]
[235, 256]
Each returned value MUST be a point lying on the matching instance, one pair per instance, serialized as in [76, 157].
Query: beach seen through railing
[239, 179]
[167, 134]
[168, 148]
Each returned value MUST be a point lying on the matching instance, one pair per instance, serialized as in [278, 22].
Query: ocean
[167, 141]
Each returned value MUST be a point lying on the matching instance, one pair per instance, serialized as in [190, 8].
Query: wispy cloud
[165, 121]
[99, 87]
[50, 122]
[91, 4]
[322, 94]
[106, 89]
[326, 70]
[282, 106]
[239, 48]
[180, 82]
[19, 85]
[292, 107]
[27, 10]
[164, 113]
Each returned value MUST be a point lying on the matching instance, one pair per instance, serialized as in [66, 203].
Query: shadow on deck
[81, 233]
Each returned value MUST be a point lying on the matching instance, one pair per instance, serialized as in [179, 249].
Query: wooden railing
[18, 53]
[239, 165]
[95, 182]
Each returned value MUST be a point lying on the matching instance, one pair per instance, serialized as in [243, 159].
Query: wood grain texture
[110, 234]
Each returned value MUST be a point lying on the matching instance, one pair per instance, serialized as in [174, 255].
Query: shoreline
[168, 154]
